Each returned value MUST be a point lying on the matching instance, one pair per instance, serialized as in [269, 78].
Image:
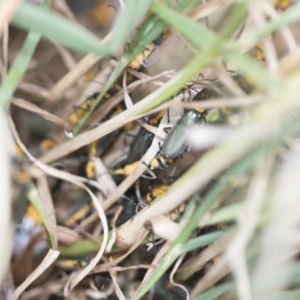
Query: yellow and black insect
[78, 212]
[72, 264]
[143, 139]
[160, 162]
[81, 110]
[157, 191]
[259, 53]
[98, 147]
[141, 60]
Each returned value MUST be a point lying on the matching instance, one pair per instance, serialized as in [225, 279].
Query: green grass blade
[201, 241]
[18, 68]
[216, 292]
[21, 62]
[81, 248]
[34, 198]
[62, 30]
[169, 259]
[125, 22]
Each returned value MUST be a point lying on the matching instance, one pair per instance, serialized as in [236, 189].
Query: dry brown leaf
[51, 256]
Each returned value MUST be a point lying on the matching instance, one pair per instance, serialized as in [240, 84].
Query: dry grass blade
[35, 90]
[196, 263]
[6, 218]
[60, 88]
[104, 178]
[4, 52]
[177, 264]
[213, 275]
[113, 225]
[39, 292]
[67, 236]
[51, 256]
[118, 291]
[41, 112]
[140, 236]
[7, 11]
[66, 57]
[154, 263]
[206, 9]
[243, 101]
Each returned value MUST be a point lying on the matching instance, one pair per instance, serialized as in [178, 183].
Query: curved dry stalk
[70, 178]
[176, 266]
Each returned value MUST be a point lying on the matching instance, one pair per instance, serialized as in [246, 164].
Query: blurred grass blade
[21, 62]
[18, 68]
[6, 217]
[287, 17]
[201, 241]
[216, 292]
[62, 30]
[202, 38]
[127, 21]
[172, 255]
